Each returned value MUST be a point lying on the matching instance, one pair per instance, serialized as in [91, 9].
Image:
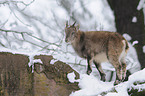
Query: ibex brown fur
[98, 47]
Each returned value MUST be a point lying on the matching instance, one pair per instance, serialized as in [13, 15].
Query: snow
[46, 19]
[132, 61]
[134, 19]
[144, 49]
[92, 86]
[134, 42]
[37, 61]
[127, 37]
[71, 77]
[31, 58]
[141, 5]
[53, 61]
[137, 76]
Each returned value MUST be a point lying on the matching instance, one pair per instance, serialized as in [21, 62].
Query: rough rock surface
[17, 79]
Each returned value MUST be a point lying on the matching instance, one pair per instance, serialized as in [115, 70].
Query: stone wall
[17, 79]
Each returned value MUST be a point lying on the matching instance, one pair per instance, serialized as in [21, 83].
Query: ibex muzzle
[98, 47]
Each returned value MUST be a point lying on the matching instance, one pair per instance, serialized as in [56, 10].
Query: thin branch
[17, 16]
[3, 45]
[12, 31]
[39, 20]
[3, 24]
[15, 3]
[39, 45]
[43, 47]
[29, 35]
[8, 2]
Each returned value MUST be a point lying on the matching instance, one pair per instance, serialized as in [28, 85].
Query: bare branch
[15, 2]
[3, 45]
[29, 35]
[17, 17]
[38, 19]
[2, 24]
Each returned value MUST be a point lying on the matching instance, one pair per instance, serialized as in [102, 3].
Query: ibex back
[98, 47]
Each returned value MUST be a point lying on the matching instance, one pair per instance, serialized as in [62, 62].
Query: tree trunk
[124, 11]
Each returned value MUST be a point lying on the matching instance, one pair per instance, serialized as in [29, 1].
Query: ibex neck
[78, 42]
[79, 37]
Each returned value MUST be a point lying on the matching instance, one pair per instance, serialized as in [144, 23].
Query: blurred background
[38, 26]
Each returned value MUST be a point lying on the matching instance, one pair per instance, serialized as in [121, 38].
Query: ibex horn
[66, 24]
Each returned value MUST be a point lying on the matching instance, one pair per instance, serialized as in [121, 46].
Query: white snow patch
[92, 86]
[141, 4]
[137, 76]
[134, 42]
[37, 61]
[113, 94]
[134, 19]
[127, 37]
[71, 77]
[31, 58]
[144, 49]
[53, 61]
[133, 64]
[32, 61]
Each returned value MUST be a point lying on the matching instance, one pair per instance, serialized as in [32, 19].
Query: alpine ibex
[98, 47]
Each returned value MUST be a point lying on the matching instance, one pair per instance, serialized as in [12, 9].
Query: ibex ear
[74, 24]
[66, 25]
[77, 27]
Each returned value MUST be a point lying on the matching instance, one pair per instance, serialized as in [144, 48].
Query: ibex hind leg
[118, 68]
[122, 59]
[123, 70]
[118, 74]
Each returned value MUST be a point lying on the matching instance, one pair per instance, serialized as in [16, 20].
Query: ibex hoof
[103, 78]
[117, 82]
[123, 78]
[89, 72]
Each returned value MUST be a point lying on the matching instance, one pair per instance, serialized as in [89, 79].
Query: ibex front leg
[89, 68]
[99, 67]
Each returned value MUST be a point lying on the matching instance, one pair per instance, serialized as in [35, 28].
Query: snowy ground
[45, 19]
[92, 86]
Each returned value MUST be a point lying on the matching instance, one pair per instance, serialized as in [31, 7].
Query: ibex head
[70, 32]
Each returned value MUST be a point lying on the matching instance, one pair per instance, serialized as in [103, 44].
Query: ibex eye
[72, 33]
